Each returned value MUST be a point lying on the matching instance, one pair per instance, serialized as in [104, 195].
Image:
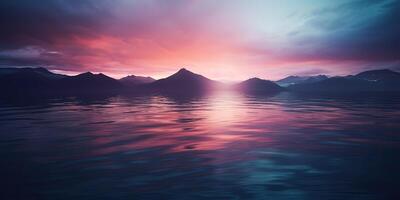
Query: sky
[225, 40]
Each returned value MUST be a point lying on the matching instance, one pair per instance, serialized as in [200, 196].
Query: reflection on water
[221, 146]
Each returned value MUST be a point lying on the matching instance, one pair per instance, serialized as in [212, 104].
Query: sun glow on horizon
[223, 40]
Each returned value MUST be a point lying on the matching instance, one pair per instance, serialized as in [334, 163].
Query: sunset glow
[199, 99]
[223, 40]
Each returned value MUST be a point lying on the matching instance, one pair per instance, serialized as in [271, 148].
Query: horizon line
[74, 73]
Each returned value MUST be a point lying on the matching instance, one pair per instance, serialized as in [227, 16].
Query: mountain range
[133, 80]
[257, 85]
[294, 80]
[183, 81]
[38, 81]
[369, 81]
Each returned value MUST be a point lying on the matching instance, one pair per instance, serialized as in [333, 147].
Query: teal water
[224, 145]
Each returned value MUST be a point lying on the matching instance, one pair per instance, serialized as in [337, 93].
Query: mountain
[293, 80]
[40, 71]
[384, 75]
[133, 80]
[256, 85]
[22, 81]
[183, 81]
[368, 81]
[40, 81]
[89, 82]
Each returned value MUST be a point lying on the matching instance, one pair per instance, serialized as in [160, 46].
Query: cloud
[29, 22]
[217, 38]
[367, 31]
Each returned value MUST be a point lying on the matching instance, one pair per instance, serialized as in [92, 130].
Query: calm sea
[224, 145]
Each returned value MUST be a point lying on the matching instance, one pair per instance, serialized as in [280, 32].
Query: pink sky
[223, 40]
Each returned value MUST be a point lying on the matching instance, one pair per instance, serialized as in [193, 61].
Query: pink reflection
[223, 121]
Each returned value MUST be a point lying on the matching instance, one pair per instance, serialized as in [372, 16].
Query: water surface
[224, 145]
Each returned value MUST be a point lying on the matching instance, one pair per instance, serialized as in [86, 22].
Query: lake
[224, 145]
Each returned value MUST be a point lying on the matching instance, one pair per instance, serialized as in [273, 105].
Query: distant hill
[293, 80]
[21, 81]
[40, 71]
[383, 75]
[368, 81]
[88, 82]
[133, 80]
[256, 85]
[40, 81]
[183, 81]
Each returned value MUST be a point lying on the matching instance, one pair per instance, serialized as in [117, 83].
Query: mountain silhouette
[293, 80]
[40, 81]
[133, 80]
[39, 72]
[22, 81]
[257, 85]
[384, 75]
[368, 81]
[183, 81]
[89, 82]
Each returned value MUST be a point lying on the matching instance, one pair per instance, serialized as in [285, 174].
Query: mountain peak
[184, 80]
[86, 74]
[91, 75]
[184, 71]
[376, 75]
[293, 80]
[258, 85]
[255, 79]
[136, 80]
